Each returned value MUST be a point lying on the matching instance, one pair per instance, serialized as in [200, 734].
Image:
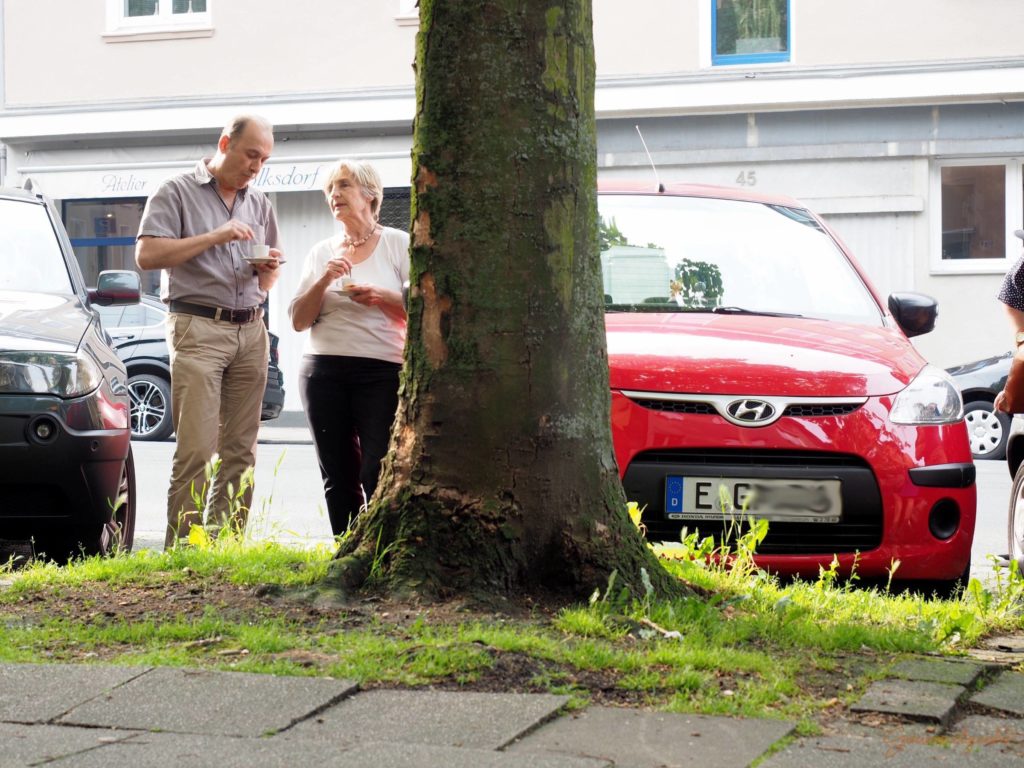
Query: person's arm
[165, 252]
[305, 308]
[389, 302]
[1017, 321]
[268, 273]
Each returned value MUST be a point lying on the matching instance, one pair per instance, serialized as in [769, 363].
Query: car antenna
[661, 187]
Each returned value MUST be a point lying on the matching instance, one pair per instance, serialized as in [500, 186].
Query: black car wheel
[151, 407]
[986, 429]
[117, 534]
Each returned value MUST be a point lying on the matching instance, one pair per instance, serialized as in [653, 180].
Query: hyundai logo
[754, 412]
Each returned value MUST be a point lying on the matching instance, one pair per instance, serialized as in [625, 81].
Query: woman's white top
[344, 327]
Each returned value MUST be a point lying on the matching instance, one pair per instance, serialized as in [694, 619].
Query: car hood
[43, 322]
[704, 353]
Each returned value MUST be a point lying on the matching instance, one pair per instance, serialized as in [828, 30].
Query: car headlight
[40, 373]
[931, 398]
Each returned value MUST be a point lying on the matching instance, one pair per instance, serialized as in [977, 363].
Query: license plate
[795, 500]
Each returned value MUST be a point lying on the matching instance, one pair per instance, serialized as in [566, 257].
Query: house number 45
[747, 179]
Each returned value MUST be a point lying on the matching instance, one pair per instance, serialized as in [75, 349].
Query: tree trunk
[501, 477]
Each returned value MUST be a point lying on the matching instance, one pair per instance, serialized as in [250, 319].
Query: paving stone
[158, 750]
[641, 739]
[1004, 734]
[941, 671]
[36, 693]
[442, 718]
[855, 752]
[1005, 649]
[1005, 693]
[421, 755]
[32, 744]
[204, 701]
[914, 699]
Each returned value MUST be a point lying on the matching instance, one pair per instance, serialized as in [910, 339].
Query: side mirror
[915, 313]
[116, 287]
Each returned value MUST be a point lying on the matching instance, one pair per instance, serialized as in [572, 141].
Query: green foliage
[742, 644]
[609, 234]
[698, 283]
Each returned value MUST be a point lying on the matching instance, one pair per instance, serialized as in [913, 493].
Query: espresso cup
[259, 251]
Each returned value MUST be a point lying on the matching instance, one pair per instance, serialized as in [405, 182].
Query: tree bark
[501, 476]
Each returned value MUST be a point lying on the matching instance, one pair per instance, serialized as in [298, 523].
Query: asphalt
[925, 711]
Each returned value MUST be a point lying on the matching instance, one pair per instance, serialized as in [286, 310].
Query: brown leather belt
[240, 316]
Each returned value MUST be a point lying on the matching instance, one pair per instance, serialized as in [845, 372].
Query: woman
[349, 374]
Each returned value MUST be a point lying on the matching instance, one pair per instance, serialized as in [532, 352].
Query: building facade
[902, 123]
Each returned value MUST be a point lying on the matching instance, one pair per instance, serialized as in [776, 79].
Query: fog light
[43, 429]
[944, 519]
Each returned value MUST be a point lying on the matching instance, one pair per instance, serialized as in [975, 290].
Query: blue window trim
[89, 242]
[748, 58]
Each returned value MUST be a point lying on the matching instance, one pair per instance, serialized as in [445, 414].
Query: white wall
[56, 52]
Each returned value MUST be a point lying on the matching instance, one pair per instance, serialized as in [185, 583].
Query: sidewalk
[932, 712]
[289, 427]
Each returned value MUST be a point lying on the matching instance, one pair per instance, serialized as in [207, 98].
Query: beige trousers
[218, 376]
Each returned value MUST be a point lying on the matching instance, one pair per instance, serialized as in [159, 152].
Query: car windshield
[31, 254]
[690, 254]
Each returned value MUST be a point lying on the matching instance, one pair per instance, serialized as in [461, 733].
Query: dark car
[138, 335]
[979, 383]
[67, 481]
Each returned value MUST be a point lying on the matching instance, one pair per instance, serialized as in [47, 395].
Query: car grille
[804, 410]
[674, 406]
[859, 530]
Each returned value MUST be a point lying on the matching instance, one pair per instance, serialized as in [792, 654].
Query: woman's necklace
[348, 241]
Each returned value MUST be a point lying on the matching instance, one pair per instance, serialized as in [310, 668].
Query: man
[199, 228]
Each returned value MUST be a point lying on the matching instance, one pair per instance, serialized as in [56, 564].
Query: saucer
[256, 260]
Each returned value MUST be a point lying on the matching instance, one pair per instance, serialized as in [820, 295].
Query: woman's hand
[389, 302]
[366, 294]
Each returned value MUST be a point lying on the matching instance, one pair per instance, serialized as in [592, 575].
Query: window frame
[407, 14]
[1013, 180]
[163, 25]
[728, 59]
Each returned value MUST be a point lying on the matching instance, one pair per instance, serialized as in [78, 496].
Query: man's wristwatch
[1019, 338]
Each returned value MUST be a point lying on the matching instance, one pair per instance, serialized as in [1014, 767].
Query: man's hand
[268, 273]
[231, 230]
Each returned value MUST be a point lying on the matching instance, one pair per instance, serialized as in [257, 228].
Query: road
[289, 504]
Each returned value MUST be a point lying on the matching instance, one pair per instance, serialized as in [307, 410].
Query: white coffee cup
[259, 252]
[346, 282]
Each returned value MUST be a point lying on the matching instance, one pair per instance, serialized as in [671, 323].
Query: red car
[755, 372]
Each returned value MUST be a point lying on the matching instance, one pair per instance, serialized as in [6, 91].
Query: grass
[747, 646]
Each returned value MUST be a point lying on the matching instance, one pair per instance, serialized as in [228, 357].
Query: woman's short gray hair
[365, 175]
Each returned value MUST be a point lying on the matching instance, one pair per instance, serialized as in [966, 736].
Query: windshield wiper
[745, 311]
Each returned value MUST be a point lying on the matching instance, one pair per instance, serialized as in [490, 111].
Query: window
[103, 234]
[158, 18]
[408, 14]
[33, 260]
[749, 31]
[976, 206]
